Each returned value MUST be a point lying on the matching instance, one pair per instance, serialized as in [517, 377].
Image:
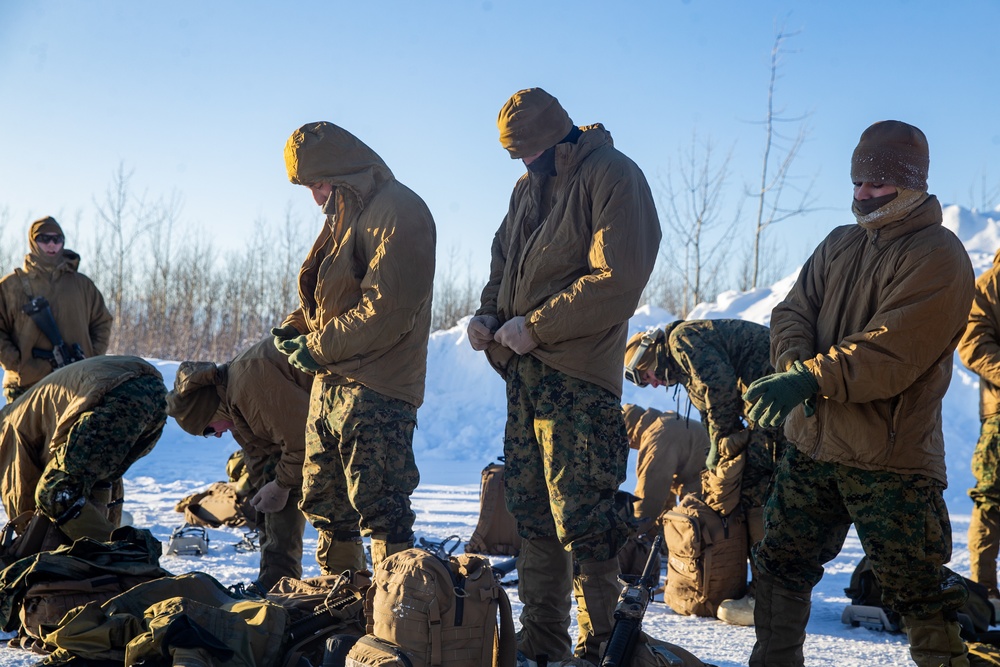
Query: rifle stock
[630, 610]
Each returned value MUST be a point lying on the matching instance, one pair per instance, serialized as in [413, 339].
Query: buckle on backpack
[188, 540]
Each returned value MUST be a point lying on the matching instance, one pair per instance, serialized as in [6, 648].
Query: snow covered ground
[460, 431]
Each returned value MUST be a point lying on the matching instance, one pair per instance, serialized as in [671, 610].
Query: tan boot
[337, 556]
[736, 612]
[935, 641]
[382, 548]
[545, 586]
[596, 589]
[780, 618]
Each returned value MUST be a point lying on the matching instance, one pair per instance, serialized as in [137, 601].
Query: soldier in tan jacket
[569, 263]
[66, 442]
[263, 401]
[671, 454]
[862, 347]
[979, 350]
[362, 327]
[49, 271]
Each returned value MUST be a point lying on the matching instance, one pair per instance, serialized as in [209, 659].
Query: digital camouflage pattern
[103, 443]
[986, 464]
[359, 469]
[566, 452]
[718, 360]
[813, 505]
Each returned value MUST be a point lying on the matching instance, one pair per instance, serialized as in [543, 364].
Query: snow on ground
[460, 431]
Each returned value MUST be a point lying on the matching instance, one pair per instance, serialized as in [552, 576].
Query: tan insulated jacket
[35, 428]
[577, 275]
[365, 287]
[876, 314]
[670, 459]
[267, 399]
[77, 306]
[979, 348]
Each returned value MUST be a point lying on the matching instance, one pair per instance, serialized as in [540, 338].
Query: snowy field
[460, 431]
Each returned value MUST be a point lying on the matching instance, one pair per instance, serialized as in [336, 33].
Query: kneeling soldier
[66, 442]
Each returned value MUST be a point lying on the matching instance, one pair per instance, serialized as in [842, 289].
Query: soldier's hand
[480, 331]
[281, 334]
[514, 334]
[775, 396]
[299, 355]
[270, 498]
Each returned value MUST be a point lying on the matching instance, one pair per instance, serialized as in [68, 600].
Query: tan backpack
[496, 532]
[423, 611]
[707, 557]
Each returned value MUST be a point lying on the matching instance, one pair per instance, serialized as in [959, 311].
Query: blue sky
[198, 98]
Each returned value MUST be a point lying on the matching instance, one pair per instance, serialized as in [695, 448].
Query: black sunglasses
[208, 431]
[49, 238]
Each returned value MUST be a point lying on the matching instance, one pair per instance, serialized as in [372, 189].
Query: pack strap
[506, 655]
[434, 619]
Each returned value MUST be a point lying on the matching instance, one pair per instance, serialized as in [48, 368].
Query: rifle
[502, 568]
[635, 596]
[440, 549]
[62, 354]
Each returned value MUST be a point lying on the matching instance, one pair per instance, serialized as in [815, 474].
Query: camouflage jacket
[718, 360]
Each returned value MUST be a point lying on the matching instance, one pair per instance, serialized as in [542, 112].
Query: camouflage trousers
[359, 470]
[901, 520]
[280, 532]
[102, 444]
[764, 449]
[565, 451]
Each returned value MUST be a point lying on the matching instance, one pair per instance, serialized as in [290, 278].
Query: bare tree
[779, 154]
[693, 210]
[988, 195]
[454, 296]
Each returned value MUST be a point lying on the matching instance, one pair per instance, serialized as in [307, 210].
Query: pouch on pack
[422, 610]
[47, 603]
[319, 608]
[26, 535]
[707, 557]
[496, 531]
[218, 505]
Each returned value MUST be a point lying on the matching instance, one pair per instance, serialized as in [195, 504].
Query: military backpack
[425, 611]
[496, 531]
[707, 557]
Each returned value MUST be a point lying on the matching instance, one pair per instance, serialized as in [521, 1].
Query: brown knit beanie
[893, 153]
[532, 121]
[195, 397]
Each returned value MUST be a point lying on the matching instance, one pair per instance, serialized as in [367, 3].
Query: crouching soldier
[671, 454]
[716, 360]
[263, 401]
[66, 442]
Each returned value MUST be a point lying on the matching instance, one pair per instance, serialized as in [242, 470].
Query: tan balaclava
[895, 153]
[532, 121]
[47, 225]
[194, 402]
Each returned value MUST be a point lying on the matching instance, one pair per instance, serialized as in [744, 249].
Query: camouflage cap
[195, 399]
[532, 121]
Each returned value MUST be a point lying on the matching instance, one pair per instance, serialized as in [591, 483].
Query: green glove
[298, 354]
[281, 334]
[712, 459]
[775, 396]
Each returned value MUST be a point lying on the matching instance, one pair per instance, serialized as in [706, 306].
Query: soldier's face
[649, 377]
[321, 192]
[217, 428]
[50, 244]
